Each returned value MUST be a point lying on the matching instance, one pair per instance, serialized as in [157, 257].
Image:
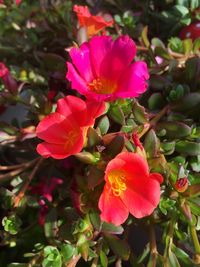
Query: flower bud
[181, 185]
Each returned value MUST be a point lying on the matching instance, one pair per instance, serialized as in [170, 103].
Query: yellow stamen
[71, 138]
[117, 179]
[102, 86]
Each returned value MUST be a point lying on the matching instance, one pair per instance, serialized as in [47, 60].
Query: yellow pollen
[117, 181]
[102, 86]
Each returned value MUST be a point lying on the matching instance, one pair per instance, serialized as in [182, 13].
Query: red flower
[93, 24]
[191, 31]
[64, 131]
[129, 188]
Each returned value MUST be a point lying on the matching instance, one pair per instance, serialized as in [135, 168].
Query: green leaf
[151, 144]
[196, 45]
[174, 129]
[119, 247]
[50, 225]
[93, 137]
[67, 251]
[103, 259]
[11, 224]
[95, 176]
[52, 257]
[95, 220]
[187, 46]
[87, 157]
[156, 101]
[111, 228]
[188, 148]
[104, 125]
[145, 37]
[116, 114]
[172, 260]
[115, 146]
[139, 113]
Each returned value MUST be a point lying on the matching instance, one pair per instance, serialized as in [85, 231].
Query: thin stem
[169, 238]
[153, 246]
[11, 174]
[195, 239]
[73, 261]
[152, 123]
[22, 191]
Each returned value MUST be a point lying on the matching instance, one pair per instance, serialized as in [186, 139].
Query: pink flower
[45, 189]
[18, 2]
[129, 188]
[64, 131]
[102, 69]
[9, 82]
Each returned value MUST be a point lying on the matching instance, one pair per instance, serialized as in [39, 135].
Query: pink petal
[78, 83]
[112, 208]
[134, 80]
[99, 46]
[141, 196]
[120, 57]
[81, 60]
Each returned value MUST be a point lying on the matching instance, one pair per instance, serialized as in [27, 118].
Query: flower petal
[100, 46]
[112, 208]
[94, 110]
[78, 83]
[115, 63]
[81, 59]
[53, 128]
[60, 151]
[141, 196]
[134, 80]
[135, 164]
[73, 108]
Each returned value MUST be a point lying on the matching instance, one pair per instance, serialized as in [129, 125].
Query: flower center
[117, 180]
[71, 139]
[102, 86]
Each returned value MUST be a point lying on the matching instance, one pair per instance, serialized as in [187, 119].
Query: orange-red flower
[129, 188]
[93, 24]
[64, 131]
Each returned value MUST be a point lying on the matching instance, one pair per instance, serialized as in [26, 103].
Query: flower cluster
[103, 70]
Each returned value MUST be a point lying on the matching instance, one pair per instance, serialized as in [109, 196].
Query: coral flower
[64, 131]
[102, 69]
[129, 188]
[93, 24]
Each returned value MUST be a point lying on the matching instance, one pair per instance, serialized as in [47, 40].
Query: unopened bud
[181, 185]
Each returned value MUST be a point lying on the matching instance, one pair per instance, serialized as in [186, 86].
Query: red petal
[74, 108]
[156, 176]
[60, 151]
[53, 128]
[135, 164]
[141, 196]
[112, 208]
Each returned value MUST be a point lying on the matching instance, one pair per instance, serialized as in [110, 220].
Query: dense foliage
[50, 211]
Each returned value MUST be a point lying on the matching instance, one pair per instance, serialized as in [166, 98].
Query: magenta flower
[102, 69]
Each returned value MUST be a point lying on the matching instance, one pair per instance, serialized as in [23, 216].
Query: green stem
[195, 239]
[169, 238]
